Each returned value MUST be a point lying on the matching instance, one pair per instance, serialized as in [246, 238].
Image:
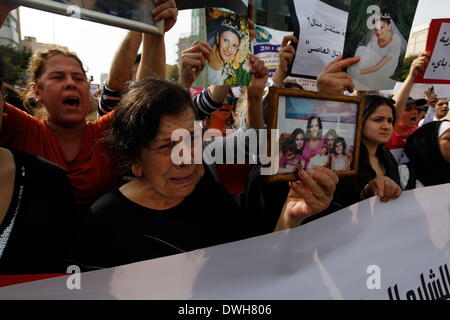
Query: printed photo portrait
[316, 132]
[228, 36]
[378, 32]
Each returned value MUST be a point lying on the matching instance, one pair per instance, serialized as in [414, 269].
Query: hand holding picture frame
[314, 129]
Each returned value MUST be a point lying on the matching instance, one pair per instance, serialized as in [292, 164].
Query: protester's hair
[340, 140]
[308, 135]
[38, 59]
[139, 113]
[373, 101]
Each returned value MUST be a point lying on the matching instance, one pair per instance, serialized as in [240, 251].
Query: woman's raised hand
[193, 61]
[383, 187]
[333, 79]
[166, 10]
[259, 72]
[310, 195]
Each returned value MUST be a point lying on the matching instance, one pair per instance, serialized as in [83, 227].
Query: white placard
[322, 36]
[439, 65]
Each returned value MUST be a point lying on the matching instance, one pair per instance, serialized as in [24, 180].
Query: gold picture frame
[314, 129]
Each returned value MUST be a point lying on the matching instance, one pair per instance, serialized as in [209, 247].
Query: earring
[137, 170]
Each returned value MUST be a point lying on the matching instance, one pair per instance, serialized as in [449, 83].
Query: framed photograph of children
[313, 129]
[128, 14]
[229, 38]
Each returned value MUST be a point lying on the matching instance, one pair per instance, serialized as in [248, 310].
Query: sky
[96, 43]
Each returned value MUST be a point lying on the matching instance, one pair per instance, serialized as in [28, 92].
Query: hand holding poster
[321, 25]
[228, 36]
[438, 43]
[377, 32]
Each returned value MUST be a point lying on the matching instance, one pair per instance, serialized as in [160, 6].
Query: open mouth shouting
[71, 101]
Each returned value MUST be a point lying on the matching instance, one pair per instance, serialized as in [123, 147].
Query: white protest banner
[438, 42]
[129, 14]
[322, 33]
[371, 250]
[266, 46]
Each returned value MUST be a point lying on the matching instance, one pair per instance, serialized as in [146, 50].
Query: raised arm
[255, 92]
[401, 97]
[153, 61]
[286, 54]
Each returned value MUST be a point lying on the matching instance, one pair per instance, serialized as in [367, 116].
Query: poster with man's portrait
[228, 36]
[378, 33]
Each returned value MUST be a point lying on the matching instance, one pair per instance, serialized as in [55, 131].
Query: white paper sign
[371, 250]
[322, 36]
[439, 65]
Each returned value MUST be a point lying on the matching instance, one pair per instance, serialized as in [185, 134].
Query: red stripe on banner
[8, 280]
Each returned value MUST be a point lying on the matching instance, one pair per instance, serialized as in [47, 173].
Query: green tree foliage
[173, 75]
[403, 72]
[15, 62]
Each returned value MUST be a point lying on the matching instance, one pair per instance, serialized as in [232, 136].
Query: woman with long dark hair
[314, 139]
[378, 171]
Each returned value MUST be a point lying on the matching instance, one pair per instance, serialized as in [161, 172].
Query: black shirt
[120, 231]
[41, 218]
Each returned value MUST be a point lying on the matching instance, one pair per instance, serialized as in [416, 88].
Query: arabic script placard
[322, 34]
[438, 69]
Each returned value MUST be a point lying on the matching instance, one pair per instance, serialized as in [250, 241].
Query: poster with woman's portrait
[314, 130]
[228, 36]
[378, 33]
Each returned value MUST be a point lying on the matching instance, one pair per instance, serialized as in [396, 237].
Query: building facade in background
[417, 40]
[10, 31]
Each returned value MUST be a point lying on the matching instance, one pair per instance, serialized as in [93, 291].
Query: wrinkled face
[64, 91]
[315, 128]
[329, 141]
[299, 141]
[379, 126]
[228, 45]
[382, 30]
[444, 145]
[409, 117]
[165, 179]
[441, 108]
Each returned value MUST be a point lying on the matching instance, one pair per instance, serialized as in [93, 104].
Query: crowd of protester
[107, 192]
